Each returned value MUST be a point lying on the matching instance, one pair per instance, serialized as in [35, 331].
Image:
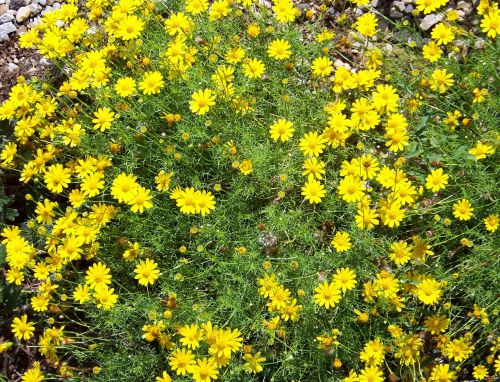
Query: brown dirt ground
[28, 62]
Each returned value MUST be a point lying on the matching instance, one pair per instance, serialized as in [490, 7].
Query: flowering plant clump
[245, 190]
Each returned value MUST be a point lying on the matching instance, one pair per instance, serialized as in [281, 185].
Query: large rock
[7, 27]
[11, 67]
[23, 14]
[430, 20]
[400, 6]
[35, 9]
[6, 17]
[464, 6]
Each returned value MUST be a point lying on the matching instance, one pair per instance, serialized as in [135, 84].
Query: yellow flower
[130, 27]
[34, 374]
[490, 23]
[436, 180]
[442, 373]
[441, 80]
[341, 241]
[313, 191]
[253, 30]
[246, 167]
[443, 34]
[164, 378]
[312, 144]
[351, 189]
[57, 178]
[191, 336]
[105, 298]
[480, 372]
[125, 86]
[327, 295]
[98, 275]
[463, 209]
[345, 278]
[103, 118]
[367, 24]
[436, 324]
[281, 129]
[140, 200]
[196, 6]
[279, 49]
[322, 66]
[431, 51]
[180, 360]
[21, 328]
[253, 363]
[205, 370]
[480, 151]
[178, 23]
[491, 222]
[45, 211]
[429, 291]
[253, 68]
[147, 272]
[152, 83]
[201, 101]
[81, 293]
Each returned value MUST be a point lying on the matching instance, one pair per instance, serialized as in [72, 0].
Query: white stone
[400, 6]
[11, 67]
[7, 28]
[35, 9]
[23, 14]
[430, 20]
[466, 7]
[6, 17]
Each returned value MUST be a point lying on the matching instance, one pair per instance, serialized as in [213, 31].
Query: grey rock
[44, 62]
[40, 2]
[395, 14]
[430, 20]
[4, 8]
[408, 1]
[465, 6]
[36, 21]
[479, 44]
[47, 10]
[375, 3]
[16, 4]
[35, 9]
[409, 8]
[6, 17]
[23, 14]
[4, 37]
[3, 2]
[399, 6]
[56, 5]
[339, 63]
[50, 2]
[22, 30]
[7, 28]
[11, 67]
